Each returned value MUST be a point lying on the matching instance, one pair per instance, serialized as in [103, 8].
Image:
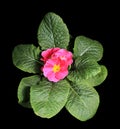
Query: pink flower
[47, 54]
[55, 70]
[64, 55]
[56, 62]
[54, 53]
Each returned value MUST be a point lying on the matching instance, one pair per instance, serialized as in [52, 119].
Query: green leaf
[88, 47]
[53, 32]
[93, 80]
[24, 89]
[97, 79]
[83, 101]
[87, 67]
[26, 58]
[48, 98]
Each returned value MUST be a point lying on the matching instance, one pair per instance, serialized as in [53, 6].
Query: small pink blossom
[64, 55]
[55, 70]
[53, 53]
[56, 62]
[47, 54]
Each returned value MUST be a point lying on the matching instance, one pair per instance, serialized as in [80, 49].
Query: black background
[20, 21]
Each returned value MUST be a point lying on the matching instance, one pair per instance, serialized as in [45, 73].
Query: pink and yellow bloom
[55, 70]
[56, 62]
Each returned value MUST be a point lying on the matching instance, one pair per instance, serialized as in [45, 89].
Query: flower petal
[56, 62]
[61, 75]
[48, 53]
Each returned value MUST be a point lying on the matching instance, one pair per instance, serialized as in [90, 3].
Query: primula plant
[62, 76]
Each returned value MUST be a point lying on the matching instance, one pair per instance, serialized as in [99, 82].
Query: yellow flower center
[56, 68]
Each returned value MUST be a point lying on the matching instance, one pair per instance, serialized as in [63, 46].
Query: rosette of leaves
[77, 91]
